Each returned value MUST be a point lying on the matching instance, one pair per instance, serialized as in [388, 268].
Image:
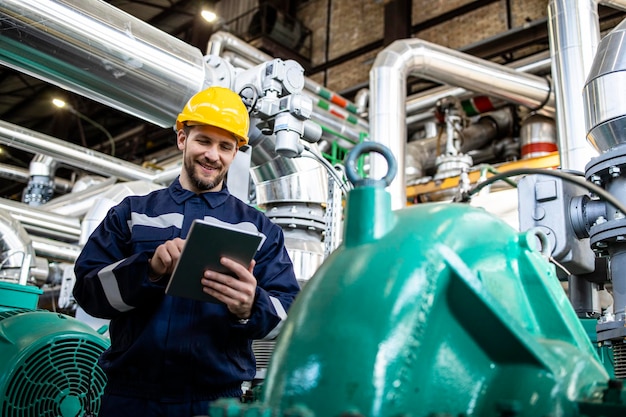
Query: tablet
[206, 243]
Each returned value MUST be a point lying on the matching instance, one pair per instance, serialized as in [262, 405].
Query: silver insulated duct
[414, 56]
[574, 31]
[101, 52]
[603, 94]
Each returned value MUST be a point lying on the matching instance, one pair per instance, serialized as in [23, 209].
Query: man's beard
[202, 184]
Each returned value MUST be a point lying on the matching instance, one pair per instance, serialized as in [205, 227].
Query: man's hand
[236, 292]
[166, 257]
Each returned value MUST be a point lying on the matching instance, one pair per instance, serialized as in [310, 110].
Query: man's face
[208, 152]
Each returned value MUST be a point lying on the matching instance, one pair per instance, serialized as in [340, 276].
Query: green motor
[433, 310]
[48, 361]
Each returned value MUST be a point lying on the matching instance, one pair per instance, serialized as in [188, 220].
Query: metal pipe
[53, 249]
[18, 174]
[77, 156]
[242, 55]
[423, 152]
[76, 204]
[605, 114]
[427, 100]
[101, 52]
[40, 221]
[574, 34]
[414, 56]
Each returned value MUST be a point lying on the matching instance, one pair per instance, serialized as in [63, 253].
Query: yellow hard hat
[219, 107]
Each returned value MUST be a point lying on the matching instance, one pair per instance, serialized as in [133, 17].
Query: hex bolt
[596, 180]
[614, 171]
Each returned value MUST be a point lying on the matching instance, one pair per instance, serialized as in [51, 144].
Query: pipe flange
[601, 235]
[602, 169]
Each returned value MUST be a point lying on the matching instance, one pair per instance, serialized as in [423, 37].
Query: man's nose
[210, 152]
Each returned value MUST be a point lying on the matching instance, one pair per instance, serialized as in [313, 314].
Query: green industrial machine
[437, 309]
[48, 361]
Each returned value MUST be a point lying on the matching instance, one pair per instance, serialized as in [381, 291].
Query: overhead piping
[77, 156]
[243, 55]
[427, 100]
[103, 53]
[41, 222]
[414, 56]
[15, 173]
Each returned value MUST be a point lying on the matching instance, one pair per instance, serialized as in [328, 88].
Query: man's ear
[181, 137]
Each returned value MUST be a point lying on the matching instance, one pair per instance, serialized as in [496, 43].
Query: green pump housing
[437, 309]
[48, 361]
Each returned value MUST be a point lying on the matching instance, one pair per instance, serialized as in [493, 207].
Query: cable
[254, 98]
[559, 174]
[329, 168]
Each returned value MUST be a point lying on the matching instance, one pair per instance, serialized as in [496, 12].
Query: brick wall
[357, 23]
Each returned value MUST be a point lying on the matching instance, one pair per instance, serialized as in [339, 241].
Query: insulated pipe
[222, 42]
[15, 243]
[53, 249]
[603, 94]
[574, 33]
[414, 56]
[77, 156]
[427, 100]
[101, 52]
[67, 228]
[76, 204]
[12, 172]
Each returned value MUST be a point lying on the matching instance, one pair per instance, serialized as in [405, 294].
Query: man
[171, 356]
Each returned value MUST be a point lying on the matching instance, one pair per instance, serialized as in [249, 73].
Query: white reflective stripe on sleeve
[280, 312]
[111, 289]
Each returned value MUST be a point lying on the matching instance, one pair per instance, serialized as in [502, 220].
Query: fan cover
[48, 365]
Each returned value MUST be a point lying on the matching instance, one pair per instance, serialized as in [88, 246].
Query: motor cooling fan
[48, 365]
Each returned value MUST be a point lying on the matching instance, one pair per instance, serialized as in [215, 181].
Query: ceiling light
[208, 15]
[58, 102]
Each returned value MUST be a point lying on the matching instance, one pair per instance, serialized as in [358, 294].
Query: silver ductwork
[77, 156]
[52, 249]
[83, 196]
[42, 223]
[101, 52]
[18, 174]
[414, 56]
[574, 32]
[16, 250]
[427, 100]
[603, 93]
